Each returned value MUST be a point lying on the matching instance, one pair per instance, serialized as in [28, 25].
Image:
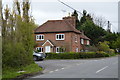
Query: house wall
[75, 42]
[66, 43]
[71, 42]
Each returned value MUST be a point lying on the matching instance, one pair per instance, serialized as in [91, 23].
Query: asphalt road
[82, 68]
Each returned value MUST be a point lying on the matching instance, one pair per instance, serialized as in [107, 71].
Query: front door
[47, 49]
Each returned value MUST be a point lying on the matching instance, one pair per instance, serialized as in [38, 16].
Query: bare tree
[99, 20]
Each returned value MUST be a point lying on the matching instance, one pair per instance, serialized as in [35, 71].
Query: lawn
[9, 73]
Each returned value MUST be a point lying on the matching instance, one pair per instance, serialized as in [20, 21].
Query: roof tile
[56, 26]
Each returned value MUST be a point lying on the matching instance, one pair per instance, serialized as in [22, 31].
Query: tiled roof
[84, 37]
[56, 26]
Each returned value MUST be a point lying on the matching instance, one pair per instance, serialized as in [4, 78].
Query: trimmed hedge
[79, 55]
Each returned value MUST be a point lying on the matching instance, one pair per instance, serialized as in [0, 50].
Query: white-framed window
[39, 49]
[76, 38]
[82, 50]
[76, 49]
[60, 50]
[39, 37]
[57, 49]
[88, 43]
[82, 41]
[60, 36]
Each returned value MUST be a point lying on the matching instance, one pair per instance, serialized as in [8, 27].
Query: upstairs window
[39, 49]
[39, 37]
[76, 38]
[82, 41]
[60, 36]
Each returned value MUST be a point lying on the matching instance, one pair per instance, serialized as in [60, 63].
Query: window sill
[40, 40]
[60, 39]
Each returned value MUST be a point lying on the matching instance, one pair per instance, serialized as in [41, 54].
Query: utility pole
[109, 27]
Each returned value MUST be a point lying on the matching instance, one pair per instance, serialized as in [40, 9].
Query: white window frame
[82, 41]
[88, 42]
[37, 48]
[57, 48]
[77, 50]
[37, 37]
[76, 38]
[61, 38]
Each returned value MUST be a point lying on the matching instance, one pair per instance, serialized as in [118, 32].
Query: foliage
[103, 46]
[62, 49]
[80, 55]
[94, 30]
[77, 20]
[17, 36]
[9, 72]
[93, 48]
[110, 37]
[117, 44]
[0, 57]
[113, 39]
[91, 30]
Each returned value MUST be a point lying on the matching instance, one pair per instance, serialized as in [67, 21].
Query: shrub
[80, 55]
[103, 46]
[62, 55]
[101, 54]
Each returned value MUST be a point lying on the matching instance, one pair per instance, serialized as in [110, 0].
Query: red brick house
[60, 36]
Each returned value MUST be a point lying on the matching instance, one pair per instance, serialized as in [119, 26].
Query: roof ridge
[53, 20]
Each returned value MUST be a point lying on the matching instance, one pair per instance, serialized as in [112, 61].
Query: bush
[62, 55]
[101, 54]
[80, 55]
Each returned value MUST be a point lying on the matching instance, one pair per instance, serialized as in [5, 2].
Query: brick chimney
[70, 20]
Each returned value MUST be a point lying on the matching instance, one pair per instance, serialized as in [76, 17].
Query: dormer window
[39, 37]
[60, 36]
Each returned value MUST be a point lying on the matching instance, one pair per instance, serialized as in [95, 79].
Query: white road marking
[101, 69]
[62, 68]
[56, 70]
[51, 71]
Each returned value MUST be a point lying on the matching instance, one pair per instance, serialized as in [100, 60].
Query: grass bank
[14, 73]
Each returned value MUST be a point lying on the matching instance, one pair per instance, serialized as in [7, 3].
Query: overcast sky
[53, 9]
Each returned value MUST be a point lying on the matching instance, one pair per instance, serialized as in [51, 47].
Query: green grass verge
[9, 73]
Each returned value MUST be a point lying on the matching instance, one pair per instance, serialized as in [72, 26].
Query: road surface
[81, 68]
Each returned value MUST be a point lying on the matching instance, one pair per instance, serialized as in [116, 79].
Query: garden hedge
[79, 55]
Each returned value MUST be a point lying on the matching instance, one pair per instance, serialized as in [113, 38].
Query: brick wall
[57, 43]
